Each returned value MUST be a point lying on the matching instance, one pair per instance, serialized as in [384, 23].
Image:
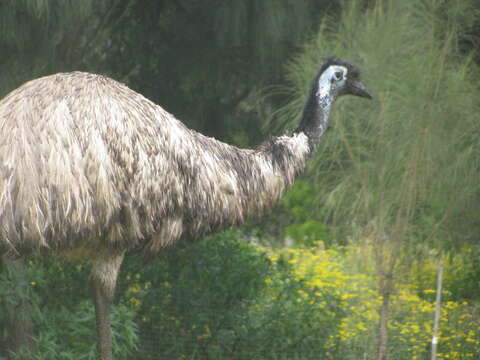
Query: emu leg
[18, 323]
[104, 277]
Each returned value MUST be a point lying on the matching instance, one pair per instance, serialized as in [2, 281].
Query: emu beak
[358, 89]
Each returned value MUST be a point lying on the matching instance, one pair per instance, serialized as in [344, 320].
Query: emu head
[335, 78]
[338, 77]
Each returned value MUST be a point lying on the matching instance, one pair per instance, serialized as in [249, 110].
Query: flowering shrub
[226, 299]
[412, 309]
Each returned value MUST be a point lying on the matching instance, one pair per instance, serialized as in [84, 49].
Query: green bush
[195, 298]
[63, 317]
[302, 206]
[66, 333]
[222, 298]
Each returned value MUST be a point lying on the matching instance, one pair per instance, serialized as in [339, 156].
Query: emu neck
[231, 184]
[315, 117]
[238, 183]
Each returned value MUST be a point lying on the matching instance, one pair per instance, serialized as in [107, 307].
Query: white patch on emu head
[332, 78]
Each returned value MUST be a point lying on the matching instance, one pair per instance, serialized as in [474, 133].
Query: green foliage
[462, 280]
[267, 28]
[44, 36]
[410, 153]
[17, 286]
[225, 299]
[307, 232]
[222, 298]
[69, 333]
[198, 295]
[402, 169]
[64, 320]
[300, 201]
[342, 283]
[304, 226]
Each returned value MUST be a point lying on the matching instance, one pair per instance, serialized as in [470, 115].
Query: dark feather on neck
[314, 117]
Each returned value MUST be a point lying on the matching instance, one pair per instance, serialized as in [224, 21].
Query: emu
[91, 169]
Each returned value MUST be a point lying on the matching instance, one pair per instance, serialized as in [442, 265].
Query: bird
[90, 169]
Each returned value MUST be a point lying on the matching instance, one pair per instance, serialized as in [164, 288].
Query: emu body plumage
[87, 163]
[91, 169]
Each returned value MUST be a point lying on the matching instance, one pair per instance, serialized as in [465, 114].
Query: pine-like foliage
[405, 165]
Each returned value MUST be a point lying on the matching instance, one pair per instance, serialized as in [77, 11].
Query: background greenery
[391, 194]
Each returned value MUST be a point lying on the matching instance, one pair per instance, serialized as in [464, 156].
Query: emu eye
[338, 75]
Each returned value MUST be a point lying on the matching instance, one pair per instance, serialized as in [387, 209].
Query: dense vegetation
[345, 267]
[226, 299]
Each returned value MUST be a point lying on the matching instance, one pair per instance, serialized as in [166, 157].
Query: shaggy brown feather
[87, 164]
